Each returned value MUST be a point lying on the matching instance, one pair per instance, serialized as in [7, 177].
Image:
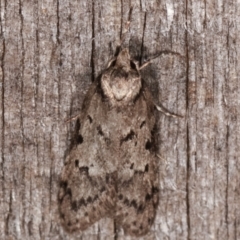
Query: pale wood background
[51, 51]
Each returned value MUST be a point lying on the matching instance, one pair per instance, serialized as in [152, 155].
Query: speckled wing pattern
[111, 171]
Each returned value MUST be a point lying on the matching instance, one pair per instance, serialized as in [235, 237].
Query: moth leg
[145, 64]
[160, 108]
[126, 30]
[71, 119]
[166, 112]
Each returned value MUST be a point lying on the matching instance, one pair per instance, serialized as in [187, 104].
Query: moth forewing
[112, 170]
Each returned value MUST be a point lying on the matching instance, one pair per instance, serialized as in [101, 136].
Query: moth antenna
[126, 30]
[158, 55]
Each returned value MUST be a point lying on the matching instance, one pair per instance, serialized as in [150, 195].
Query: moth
[112, 169]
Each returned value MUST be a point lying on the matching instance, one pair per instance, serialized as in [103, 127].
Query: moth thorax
[121, 86]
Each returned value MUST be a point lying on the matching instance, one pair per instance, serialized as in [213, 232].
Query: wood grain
[51, 51]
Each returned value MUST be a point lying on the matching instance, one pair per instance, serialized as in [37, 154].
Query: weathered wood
[51, 51]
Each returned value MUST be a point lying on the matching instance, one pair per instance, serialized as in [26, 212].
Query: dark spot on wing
[83, 170]
[89, 199]
[148, 145]
[76, 163]
[142, 124]
[78, 124]
[101, 133]
[107, 178]
[148, 197]
[126, 201]
[155, 190]
[89, 118]
[134, 204]
[120, 196]
[79, 139]
[95, 198]
[146, 168]
[140, 208]
[74, 206]
[63, 184]
[69, 192]
[62, 215]
[82, 202]
[133, 65]
[107, 140]
[99, 129]
[131, 167]
[150, 220]
[129, 136]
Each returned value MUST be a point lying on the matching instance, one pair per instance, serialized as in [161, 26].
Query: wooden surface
[51, 51]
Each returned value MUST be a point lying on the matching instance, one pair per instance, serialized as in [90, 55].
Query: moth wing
[88, 183]
[138, 177]
[137, 203]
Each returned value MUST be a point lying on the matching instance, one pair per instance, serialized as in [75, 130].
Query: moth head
[121, 82]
